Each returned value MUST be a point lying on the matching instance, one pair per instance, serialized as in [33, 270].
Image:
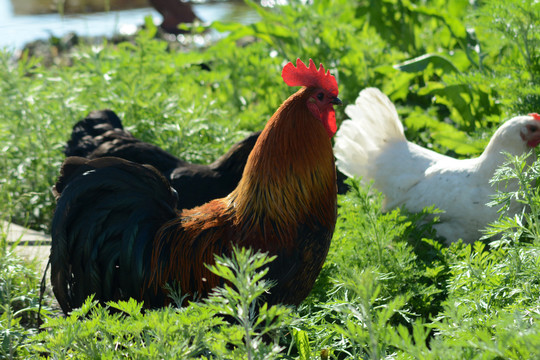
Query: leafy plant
[231, 324]
[516, 183]
[241, 301]
[18, 300]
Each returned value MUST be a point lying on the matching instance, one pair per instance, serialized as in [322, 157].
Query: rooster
[372, 145]
[101, 134]
[116, 232]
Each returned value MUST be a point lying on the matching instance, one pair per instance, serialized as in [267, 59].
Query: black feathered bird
[101, 134]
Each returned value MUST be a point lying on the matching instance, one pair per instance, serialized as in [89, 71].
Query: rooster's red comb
[309, 76]
[535, 116]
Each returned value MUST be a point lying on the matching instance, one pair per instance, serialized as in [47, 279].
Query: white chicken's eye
[320, 96]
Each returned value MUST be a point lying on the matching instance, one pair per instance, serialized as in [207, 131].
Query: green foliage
[227, 326]
[520, 33]
[389, 289]
[394, 245]
[240, 301]
[516, 182]
[94, 331]
[18, 300]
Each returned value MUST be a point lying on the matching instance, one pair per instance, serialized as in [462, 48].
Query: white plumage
[372, 145]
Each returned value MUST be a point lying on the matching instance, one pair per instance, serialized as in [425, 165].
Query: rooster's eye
[320, 96]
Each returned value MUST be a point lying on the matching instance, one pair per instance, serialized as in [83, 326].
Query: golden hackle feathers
[281, 191]
[283, 181]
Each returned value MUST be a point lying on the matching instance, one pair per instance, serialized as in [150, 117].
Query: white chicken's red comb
[535, 116]
[301, 75]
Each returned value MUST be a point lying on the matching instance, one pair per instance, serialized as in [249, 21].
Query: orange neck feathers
[285, 201]
[289, 178]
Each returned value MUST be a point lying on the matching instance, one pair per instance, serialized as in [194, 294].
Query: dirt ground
[32, 245]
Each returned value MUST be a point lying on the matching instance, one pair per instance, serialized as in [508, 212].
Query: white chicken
[372, 146]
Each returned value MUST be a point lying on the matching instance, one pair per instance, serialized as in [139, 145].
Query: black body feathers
[101, 134]
[103, 248]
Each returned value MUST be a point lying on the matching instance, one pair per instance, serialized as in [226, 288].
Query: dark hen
[101, 134]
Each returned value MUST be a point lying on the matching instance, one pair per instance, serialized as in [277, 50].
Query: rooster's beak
[336, 101]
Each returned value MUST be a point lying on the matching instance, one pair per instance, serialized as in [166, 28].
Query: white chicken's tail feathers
[373, 124]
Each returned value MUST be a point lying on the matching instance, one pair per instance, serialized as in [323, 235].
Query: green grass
[389, 289]
[19, 300]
